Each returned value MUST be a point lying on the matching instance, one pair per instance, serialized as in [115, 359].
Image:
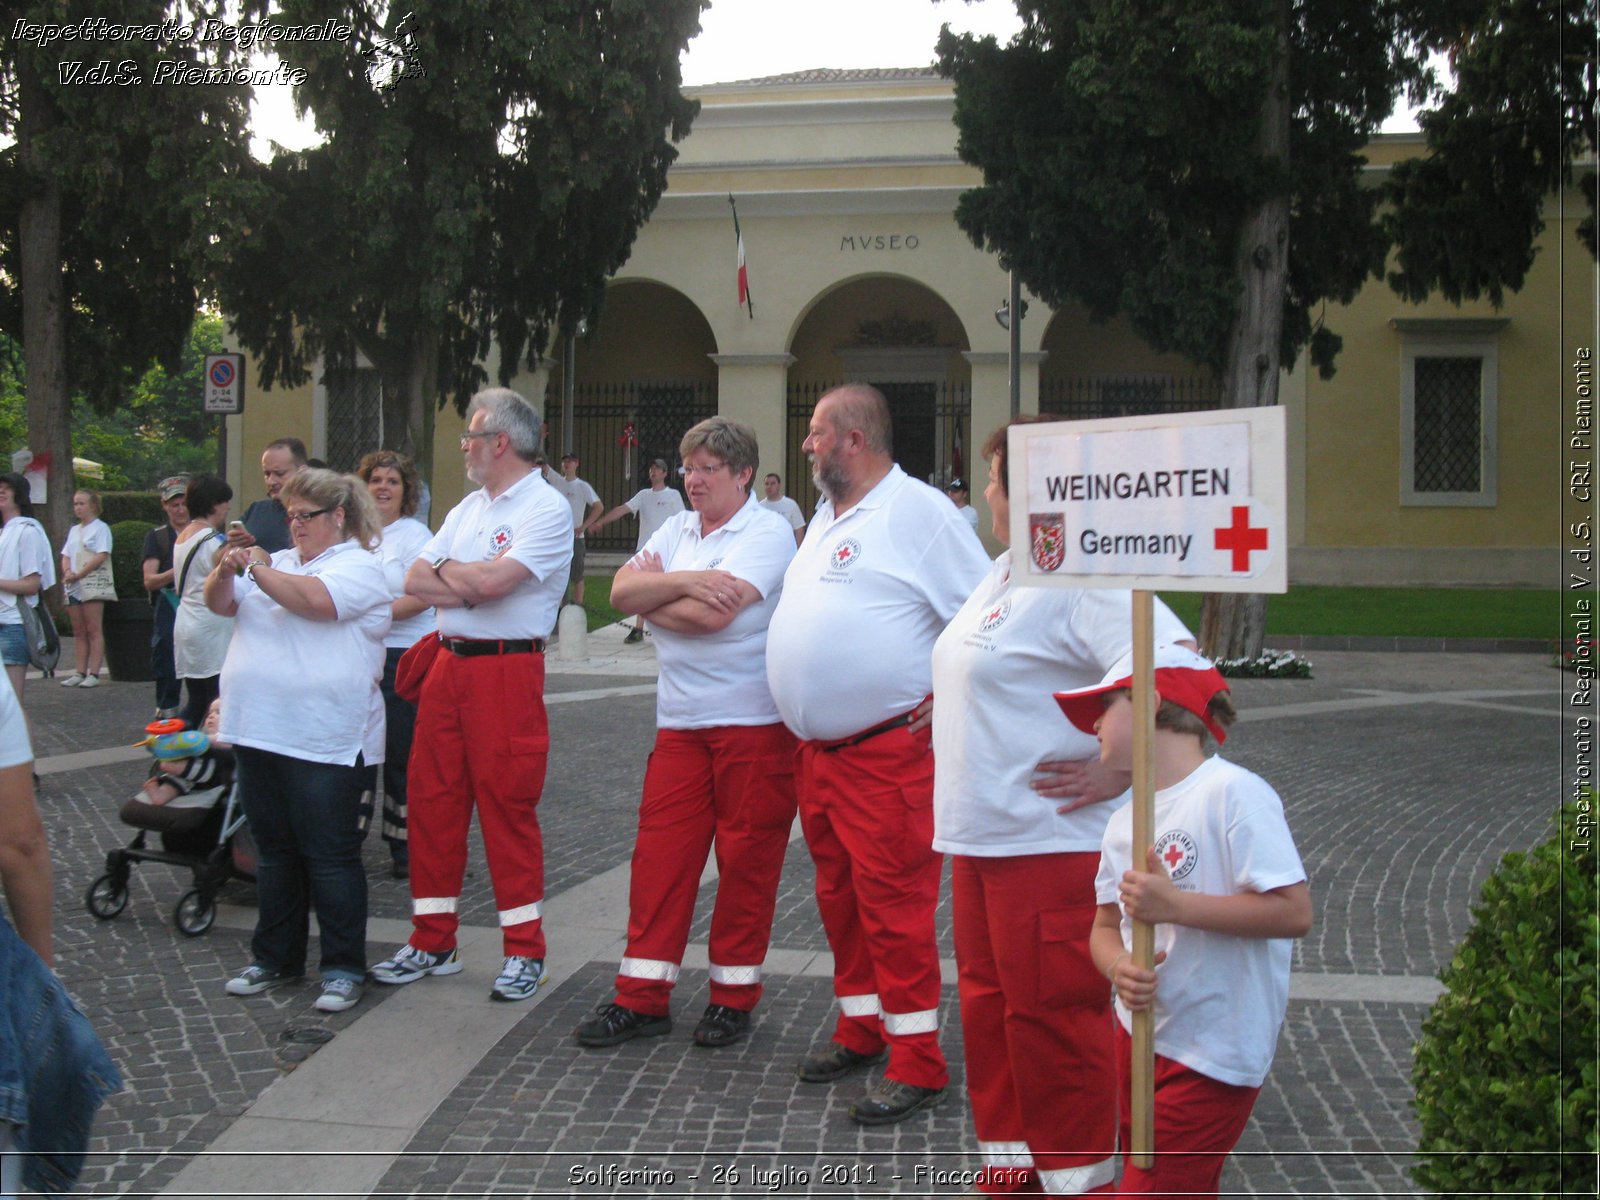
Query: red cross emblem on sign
[1241, 537]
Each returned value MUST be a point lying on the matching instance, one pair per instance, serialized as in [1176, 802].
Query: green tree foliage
[487, 165]
[1505, 1070]
[116, 193]
[1502, 136]
[160, 427]
[1194, 165]
[1119, 144]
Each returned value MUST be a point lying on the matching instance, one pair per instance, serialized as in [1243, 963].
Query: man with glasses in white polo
[495, 573]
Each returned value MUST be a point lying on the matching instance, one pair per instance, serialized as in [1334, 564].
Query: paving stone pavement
[1405, 776]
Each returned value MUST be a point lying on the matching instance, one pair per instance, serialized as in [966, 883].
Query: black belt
[473, 647]
[892, 723]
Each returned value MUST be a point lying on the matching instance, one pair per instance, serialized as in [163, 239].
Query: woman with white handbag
[86, 574]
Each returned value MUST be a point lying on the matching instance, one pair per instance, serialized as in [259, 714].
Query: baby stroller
[203, 828]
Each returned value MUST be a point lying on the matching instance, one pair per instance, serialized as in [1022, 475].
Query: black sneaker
[721, 1026]
[611, 1025]
[889, 1101]
[635, 636]
[832, 1061]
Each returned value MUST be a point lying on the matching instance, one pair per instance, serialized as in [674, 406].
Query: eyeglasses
[691, 472]
[466, 438]
[303, 517]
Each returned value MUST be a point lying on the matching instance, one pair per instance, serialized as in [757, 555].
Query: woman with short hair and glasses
[722, 770]
[301, 707]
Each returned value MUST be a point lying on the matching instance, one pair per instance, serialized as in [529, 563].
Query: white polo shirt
[851, 643]
[1220, 999]
[654, 509]
[720, 678]
[994, 669]
[533, 520]
[403, 540]
[786, 508]
[305, 688]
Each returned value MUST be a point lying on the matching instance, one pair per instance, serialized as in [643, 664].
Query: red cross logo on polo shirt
[1241, 537]
[1178, 851]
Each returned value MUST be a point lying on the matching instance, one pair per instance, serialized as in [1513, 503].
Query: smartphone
[239, 525]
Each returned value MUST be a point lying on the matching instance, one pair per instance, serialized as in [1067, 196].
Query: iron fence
[1084, 397]
[660, 413]
[932, 425]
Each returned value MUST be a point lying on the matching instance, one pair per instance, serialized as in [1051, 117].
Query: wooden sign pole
[1142, 1072]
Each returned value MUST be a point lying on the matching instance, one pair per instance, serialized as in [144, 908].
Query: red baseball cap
[1182, 676]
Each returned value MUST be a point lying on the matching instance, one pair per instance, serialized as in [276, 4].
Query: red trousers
[1198, 1120]
[867, 813]
[732, 786]
[1036, 1022]
[481, 738]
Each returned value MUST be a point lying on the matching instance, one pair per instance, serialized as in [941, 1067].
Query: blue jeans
[13, 646]
[162, 668]
[305, 817]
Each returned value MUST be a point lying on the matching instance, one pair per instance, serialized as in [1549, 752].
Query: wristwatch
[438, 563]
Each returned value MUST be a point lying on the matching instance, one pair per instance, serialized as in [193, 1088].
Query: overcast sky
[746, 39]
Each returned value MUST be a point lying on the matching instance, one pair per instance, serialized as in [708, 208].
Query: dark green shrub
[1505, 1071]
[116, 507]
[127, 557]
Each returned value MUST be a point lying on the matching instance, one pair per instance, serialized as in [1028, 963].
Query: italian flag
[743, 269]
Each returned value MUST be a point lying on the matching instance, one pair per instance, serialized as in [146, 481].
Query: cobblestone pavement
[1405, 776]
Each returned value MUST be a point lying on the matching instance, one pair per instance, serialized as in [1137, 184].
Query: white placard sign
[1178, 502]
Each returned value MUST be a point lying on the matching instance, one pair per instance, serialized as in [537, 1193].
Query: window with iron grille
[1446, 419]
[355, 414]
[1448, 387]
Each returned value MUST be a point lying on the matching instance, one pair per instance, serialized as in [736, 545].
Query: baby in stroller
[189, 775]
[189, 801]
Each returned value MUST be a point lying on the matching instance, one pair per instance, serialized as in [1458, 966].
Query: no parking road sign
[1179, 502]
[224, 383]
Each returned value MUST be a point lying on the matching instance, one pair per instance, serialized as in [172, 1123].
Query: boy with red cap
[1225, 888]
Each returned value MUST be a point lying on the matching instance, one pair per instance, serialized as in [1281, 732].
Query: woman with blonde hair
[301, 708]
[86, 572]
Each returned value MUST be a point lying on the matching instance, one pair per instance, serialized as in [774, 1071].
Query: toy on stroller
[191, 802]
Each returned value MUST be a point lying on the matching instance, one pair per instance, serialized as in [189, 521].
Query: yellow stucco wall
[1353, 446]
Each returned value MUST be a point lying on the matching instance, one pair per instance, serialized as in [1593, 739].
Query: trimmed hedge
[145, 507]
[1505, 1070]
[127, 561]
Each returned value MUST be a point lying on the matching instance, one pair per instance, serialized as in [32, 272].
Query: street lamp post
[1014, 303]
